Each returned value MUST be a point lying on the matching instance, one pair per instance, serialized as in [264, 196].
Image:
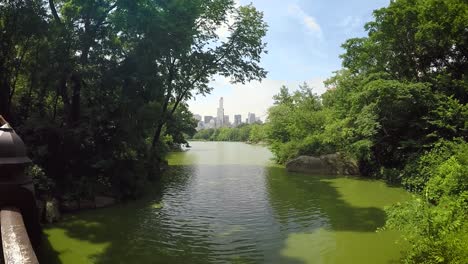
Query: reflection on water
[227, 203]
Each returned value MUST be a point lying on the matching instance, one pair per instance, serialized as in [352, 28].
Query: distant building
[222, 120]
[211, 124]
[220, 114]
[251, 118]
[237, 120]
[200, 125]
[207, 119]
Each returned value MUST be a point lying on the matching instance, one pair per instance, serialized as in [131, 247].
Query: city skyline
[304, 43]
[215, 112]
[222, 120]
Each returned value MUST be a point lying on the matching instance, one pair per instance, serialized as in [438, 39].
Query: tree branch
[163, 116]
[17, 68]
[103, 19]
[54, 11]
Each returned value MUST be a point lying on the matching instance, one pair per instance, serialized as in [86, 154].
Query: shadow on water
[121, 234]
[46, 253]
[330, 214]
[296, 194]
[146, 231]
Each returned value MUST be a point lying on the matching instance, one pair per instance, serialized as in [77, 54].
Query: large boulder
[307, 164]
[331, 164]
[69, 205]
[104, 201]
[87, 204]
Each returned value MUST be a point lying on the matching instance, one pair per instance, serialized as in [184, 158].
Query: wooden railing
[17, 248]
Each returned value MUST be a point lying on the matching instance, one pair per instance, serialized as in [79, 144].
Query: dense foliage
[435, 222]
[398, 106]
[296, 124]
[98, 89]
[244, 133]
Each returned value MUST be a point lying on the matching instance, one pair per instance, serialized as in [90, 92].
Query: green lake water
[228, 203]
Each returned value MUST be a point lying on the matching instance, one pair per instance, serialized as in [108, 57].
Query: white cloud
[351, 23]
[255, 97]
[308, 21]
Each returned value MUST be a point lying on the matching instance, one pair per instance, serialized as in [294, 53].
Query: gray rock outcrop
[104, 201]
[331, 164]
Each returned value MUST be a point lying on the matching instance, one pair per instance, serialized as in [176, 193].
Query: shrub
[434, 222]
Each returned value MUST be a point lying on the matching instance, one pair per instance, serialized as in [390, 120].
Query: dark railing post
[18, 211]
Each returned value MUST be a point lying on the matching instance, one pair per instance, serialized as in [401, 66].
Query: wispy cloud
[351, 23]
[307, 20]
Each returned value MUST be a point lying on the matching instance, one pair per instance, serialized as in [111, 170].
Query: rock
[307, 164]
[52, 213]
[69, 206]
[104, 201]
[87, 204]
[331, 164]
[339, 164]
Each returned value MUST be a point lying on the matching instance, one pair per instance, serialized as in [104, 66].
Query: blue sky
[304, 39]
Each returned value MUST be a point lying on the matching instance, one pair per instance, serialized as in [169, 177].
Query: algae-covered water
[228, 203]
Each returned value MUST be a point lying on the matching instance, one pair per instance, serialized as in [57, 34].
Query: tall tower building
[251, 118]
[220, 115]
[237, 120]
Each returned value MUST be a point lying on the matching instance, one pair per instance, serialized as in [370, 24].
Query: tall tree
[20, 26]
[195, 52]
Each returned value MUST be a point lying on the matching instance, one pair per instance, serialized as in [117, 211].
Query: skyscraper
[237, 120]
[220, 115]
[252, 118]
[208, 119]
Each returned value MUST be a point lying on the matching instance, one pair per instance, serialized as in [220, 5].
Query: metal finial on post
[2, 121]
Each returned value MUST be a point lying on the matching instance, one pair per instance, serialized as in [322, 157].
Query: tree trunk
[75, 100]
[32, 84]
[157, 135]
[4, 99]
[163, 116]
